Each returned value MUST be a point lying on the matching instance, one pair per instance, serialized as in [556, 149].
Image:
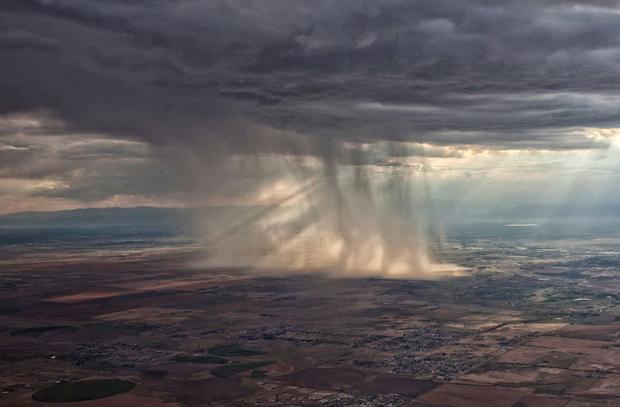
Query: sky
[475, 106]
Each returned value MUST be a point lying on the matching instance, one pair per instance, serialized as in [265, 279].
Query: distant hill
[97, 227]
[98, 217]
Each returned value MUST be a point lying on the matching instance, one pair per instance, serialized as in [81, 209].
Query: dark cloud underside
[497, 74]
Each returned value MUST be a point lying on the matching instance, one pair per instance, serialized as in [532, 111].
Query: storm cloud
[500, 74]
[184, 88]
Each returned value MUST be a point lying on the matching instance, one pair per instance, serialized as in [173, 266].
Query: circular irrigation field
[83, 390]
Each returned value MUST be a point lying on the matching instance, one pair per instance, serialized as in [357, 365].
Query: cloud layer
[466, 72]
[210, 79]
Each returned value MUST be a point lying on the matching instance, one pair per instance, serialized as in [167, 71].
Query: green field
[233, 369]
[234, 350]
[83, 390]
[38, 330]
[200, 359]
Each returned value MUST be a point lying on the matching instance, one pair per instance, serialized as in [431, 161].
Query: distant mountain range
[97, 227]
[144, 216]
[157, 217]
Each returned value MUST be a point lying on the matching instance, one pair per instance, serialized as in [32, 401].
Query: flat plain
[524, 326]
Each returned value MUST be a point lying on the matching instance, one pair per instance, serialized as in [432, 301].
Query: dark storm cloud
[24, 40]
[283, 75]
